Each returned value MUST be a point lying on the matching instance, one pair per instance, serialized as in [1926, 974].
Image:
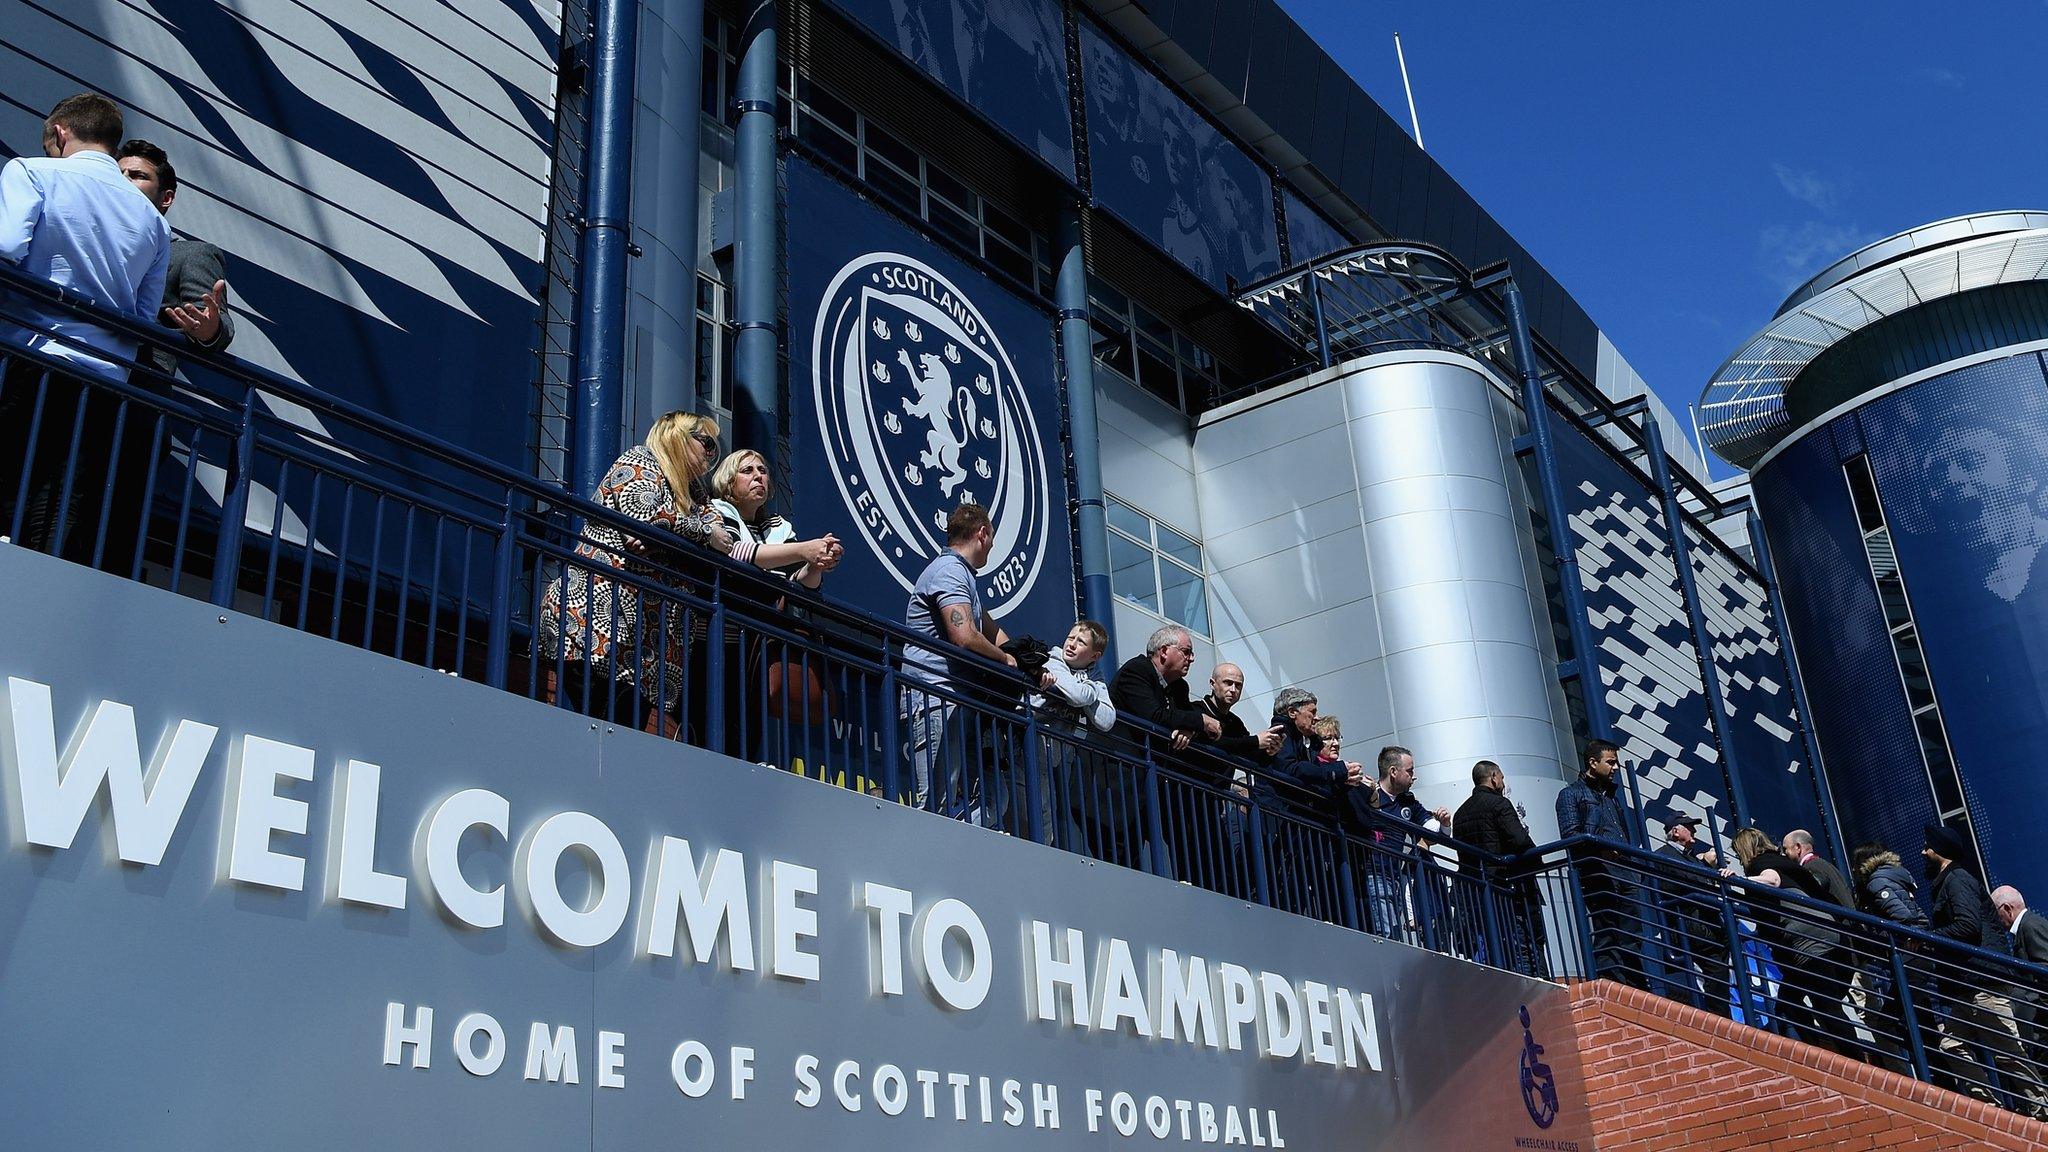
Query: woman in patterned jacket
[618, 657]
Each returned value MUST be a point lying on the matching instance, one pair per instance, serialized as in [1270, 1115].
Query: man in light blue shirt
[74, 219]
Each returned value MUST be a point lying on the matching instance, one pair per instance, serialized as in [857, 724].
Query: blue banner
[1960, 468]
[917, 384]
[1310, 235]
[1163, 169]
[1007, 59]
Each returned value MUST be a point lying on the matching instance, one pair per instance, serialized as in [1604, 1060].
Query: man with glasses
[1152, 688]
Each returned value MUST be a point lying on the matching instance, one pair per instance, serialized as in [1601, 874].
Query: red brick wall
[1661, 1075]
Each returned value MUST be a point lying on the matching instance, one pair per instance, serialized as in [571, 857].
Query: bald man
[1226, 688]
[1799, 846]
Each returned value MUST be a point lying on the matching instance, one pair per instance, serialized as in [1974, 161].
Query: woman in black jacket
[1815, 992]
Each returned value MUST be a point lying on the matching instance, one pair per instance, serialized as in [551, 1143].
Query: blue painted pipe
[756, 241]
[1599, 725]
[1688, 583]
[1077, 357]
[607, 241]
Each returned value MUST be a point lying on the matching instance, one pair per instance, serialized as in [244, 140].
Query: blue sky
[1682, 167]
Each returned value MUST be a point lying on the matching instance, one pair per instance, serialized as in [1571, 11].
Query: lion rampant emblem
[939, 404]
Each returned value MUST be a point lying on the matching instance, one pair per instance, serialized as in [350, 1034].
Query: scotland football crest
[921, 411]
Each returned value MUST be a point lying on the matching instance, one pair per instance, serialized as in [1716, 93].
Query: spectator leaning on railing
[945, 608]
[596, 625]
[1591, 806]
[1805, 943]
[1069, 701]
[1487, 821]
[71, 218]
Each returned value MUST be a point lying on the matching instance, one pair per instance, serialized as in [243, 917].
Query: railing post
[1500, 951]
[1034, 789]
[1315, 300]
[227, 552]
[714, 672]
[1738, 960]
[498, 637]
[1909, 1020]
[1155, 830]
[1255, 847]
[892, 734]
[1347, 890]
[1589, 966]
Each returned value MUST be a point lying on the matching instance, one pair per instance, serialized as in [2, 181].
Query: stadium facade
[1891, 417]
[407, 203]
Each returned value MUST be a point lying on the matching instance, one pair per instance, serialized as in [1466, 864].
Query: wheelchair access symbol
[1539, 1086]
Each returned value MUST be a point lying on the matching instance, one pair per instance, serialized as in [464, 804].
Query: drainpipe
[606, 246]
[1696, 615]
[757, 241]
[1077, 357]
[1585, 663]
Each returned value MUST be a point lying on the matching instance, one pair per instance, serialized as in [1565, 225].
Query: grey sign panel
[206, 956]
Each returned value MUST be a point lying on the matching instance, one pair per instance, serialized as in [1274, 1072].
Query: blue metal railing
[373, 535]
[1871, 989]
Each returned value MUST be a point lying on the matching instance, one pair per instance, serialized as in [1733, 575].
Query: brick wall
[1661, 1076]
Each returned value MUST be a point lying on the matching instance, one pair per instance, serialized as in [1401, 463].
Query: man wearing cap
[1699, 943]
[1982, 1015]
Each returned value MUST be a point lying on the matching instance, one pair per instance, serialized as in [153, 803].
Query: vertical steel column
[1077, 359]
[1315, 299]
[1766, 568]
[1536, 407]
[607, 244]
[1688, 586]
[757, 239]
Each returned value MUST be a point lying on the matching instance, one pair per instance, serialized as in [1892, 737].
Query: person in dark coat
[1487, 821]
[1152, 688]
[1798, 845]
[1982, 1016]
[1697, 935]
[1299, 781]
[1591, 806]
[1885, 889]
[195, 301]
[1805, 943]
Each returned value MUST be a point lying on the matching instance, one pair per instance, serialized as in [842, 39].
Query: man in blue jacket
[1591, 806]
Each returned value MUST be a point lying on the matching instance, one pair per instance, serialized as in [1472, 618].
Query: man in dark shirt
[1591, 806]
[1692, 905]
[1798, 844]
[196, 286]
[1981, 1016]
[1152, 688]
[1226, 688]
[1399, 905]
[1487, 821]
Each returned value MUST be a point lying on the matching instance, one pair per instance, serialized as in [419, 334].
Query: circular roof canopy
[1743, 410]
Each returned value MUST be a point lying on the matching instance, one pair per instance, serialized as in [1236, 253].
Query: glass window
[1130, 572]
[1183, 597]
[1863, 492]
[1157, 567]
[1180, 547]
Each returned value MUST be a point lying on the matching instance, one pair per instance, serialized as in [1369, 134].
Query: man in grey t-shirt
[946, 606]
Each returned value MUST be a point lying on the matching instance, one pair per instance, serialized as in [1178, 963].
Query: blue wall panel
[1845, 657]
[1310, 235]
[1766, 753]
[917, 384]
[1169, 173]
[1959, 462]
[1005, 58]
[1648, 666]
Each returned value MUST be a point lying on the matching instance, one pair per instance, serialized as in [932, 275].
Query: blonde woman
[612, 652]
[740, 491]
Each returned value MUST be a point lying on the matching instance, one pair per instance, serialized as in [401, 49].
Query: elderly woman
[740, 491]
[614, 650]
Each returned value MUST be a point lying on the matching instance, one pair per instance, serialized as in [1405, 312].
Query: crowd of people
[1735, 951]
[90, 215]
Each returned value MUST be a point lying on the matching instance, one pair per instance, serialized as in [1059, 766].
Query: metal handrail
[514, 516]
